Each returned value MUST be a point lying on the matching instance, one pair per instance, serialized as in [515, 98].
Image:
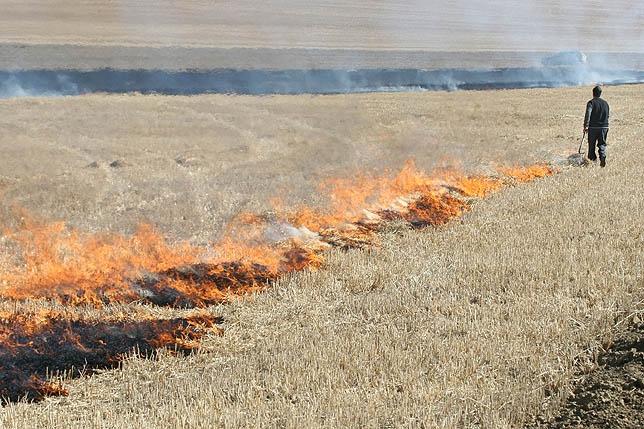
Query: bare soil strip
[612, 396]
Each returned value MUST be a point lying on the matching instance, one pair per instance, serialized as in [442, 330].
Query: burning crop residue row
[526, 174]
[32, 344]
[75, 268]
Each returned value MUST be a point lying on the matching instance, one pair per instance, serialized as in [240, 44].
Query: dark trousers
[597, 138]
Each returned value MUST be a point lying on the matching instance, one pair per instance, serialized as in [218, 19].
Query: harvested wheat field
[303, 35]
[291, 266]
[425, 25]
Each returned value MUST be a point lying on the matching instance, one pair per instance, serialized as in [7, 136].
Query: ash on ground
[578, 160]
[574, 160]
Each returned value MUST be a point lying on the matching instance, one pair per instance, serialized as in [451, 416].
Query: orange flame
[74, 267]
[526, 174]
[350, 197]
[32, 344]
[81, 268]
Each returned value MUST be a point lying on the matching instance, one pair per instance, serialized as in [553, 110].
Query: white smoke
[528, 30]
[17, 85]
[11, 87]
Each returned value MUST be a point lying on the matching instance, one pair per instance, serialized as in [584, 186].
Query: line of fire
[61, 265]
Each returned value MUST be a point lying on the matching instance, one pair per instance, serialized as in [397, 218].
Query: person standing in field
[596, 125]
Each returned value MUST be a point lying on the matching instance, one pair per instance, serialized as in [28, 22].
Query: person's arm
[589, 111]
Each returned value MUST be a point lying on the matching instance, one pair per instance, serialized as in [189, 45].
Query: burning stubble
[76, 268]
[35, 344]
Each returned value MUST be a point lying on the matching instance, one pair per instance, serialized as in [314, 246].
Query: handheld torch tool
[581, 143]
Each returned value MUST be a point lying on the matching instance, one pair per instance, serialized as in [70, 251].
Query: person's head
[597, 91]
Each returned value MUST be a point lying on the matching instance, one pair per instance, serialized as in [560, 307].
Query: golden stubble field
[187, 164]
[298, 34]
[482, 322]
[394, 24]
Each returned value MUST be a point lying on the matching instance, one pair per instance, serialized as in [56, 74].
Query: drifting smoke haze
[262, 82]
[526, 31]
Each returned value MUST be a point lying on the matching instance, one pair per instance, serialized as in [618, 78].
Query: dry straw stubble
[466, 325]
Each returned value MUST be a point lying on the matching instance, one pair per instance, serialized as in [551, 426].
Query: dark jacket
[597, 113]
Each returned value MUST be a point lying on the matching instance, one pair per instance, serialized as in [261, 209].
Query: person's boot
[602, 162]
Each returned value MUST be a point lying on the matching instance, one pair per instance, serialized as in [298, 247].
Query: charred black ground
[30, 350]
[42, 82]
